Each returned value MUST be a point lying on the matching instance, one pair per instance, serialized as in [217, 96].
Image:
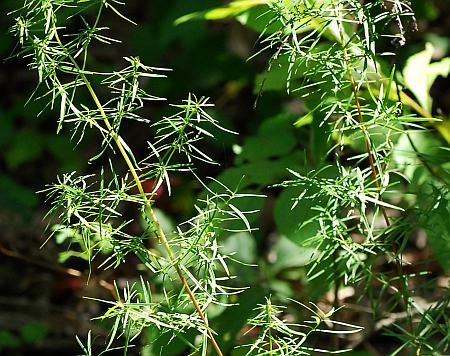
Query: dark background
[41, 305]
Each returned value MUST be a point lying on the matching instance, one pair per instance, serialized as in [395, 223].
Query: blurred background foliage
[208, 58]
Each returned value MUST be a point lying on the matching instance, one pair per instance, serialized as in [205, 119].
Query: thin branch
[160, 232]
[375, 175]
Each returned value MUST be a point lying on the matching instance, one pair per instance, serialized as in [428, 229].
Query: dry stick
[160, 232]
[69, 271]
[13, 254]
[375, 174]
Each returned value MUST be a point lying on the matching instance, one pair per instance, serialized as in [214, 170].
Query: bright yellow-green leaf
[234, 8]
[304, 120]
[420, 74]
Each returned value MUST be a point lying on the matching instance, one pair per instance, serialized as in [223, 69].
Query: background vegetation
[41, 306]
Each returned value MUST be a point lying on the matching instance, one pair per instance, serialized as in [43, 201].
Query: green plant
[338, 202]
[341, 211]
[88, 210]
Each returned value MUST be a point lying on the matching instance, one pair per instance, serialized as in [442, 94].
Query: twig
[13, 254]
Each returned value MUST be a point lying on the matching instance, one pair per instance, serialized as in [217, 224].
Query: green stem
[160, 232]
